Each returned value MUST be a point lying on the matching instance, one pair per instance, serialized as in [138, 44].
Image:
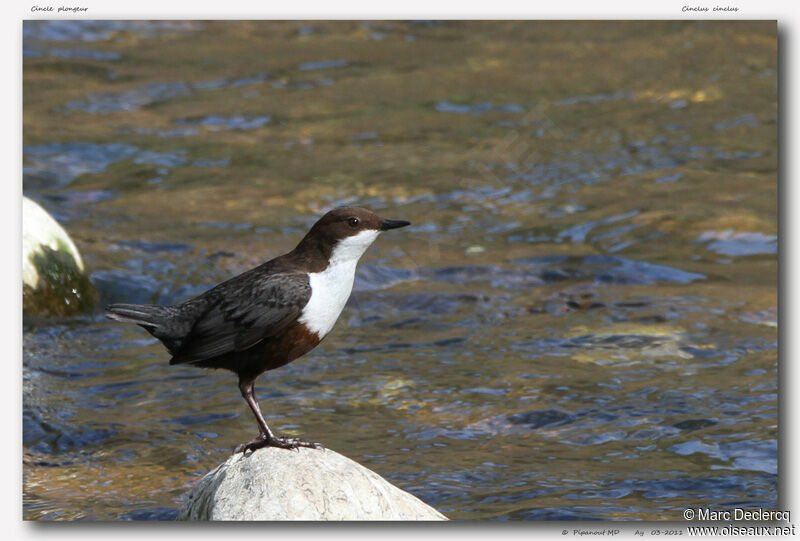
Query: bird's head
[345, 233]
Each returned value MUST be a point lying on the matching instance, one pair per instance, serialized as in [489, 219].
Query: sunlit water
[580, 324]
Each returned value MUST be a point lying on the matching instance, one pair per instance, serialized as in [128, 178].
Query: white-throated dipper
[270, 315]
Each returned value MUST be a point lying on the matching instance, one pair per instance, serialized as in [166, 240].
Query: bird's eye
[353, 221]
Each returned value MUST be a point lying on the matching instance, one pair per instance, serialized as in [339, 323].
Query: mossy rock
[53, 279]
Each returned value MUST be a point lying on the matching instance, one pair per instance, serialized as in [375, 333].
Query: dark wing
[241, 313]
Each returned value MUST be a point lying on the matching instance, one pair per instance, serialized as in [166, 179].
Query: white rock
[306, 484]
[40, 229]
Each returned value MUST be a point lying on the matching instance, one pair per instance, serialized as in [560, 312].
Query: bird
[270, 315]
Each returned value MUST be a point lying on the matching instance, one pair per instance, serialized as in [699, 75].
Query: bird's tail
[146, 315]
[163, 322]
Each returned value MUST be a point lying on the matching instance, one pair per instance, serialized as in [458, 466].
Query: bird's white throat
[331, 287]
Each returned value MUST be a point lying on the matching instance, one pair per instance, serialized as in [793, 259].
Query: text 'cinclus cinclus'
[270, 315]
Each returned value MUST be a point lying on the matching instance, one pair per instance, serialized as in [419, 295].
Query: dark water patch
[542, 260]
[432, 303]
[365, 136]
[71, 198]
[669, 178]
[578, 233]
[495, 275]
[732, 243]
[60, 373]
[470, 200]
[598, 98]
[484, 390]
[752, 455]
[155, 247]
[130, 100]
[221, 254]
[181, 132]
[117, 391]
[101, 30]
[69, 439]
[708, 353]
[616, 341]
[694, 424]
[768, 317]
[322, 65]
[216, 225]
[48, 435]
[521, 423]
[676, 127]
[565, 210]
[595, 439]
[746, 120]
[151, 513]
[375, 277]
[79, 53]
[135, 98]
[149, 279]
[393, 346]
[650, 434]
[581, 169]
[238, 122]
[740, 155]
[448, 107]
[403, 323]
[86, 69]
[608, 270]
[238, 82]
[201, 419]
[164, 159]
[211, 163]
[120, 286]
[579, 300]
[58, 164]
[559, 513]
[684, 486]
[449, 433]
[628, 271]
[539, 418]
[246, 226]
[550, 276]
[302, 85]
[149, 265]
[609, 494]
[642, 422]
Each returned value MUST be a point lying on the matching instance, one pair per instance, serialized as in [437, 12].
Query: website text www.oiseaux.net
[733, 530]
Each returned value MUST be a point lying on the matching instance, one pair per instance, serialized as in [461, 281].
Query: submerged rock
[306, 484]
[53, 279]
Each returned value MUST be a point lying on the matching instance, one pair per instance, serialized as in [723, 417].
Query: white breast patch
[331, 287]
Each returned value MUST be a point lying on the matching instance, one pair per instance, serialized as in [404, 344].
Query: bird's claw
[281, 442]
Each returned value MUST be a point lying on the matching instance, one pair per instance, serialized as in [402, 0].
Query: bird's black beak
[393, 224]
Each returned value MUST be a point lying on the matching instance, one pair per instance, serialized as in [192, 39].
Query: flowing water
[580, 324]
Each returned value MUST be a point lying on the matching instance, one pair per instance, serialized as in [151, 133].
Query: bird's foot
[274, 441]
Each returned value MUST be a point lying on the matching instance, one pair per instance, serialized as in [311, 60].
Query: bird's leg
[265, 438]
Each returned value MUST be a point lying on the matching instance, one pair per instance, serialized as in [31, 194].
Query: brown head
[346, 232]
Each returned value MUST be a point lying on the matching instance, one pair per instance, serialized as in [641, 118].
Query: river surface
[580, 324]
